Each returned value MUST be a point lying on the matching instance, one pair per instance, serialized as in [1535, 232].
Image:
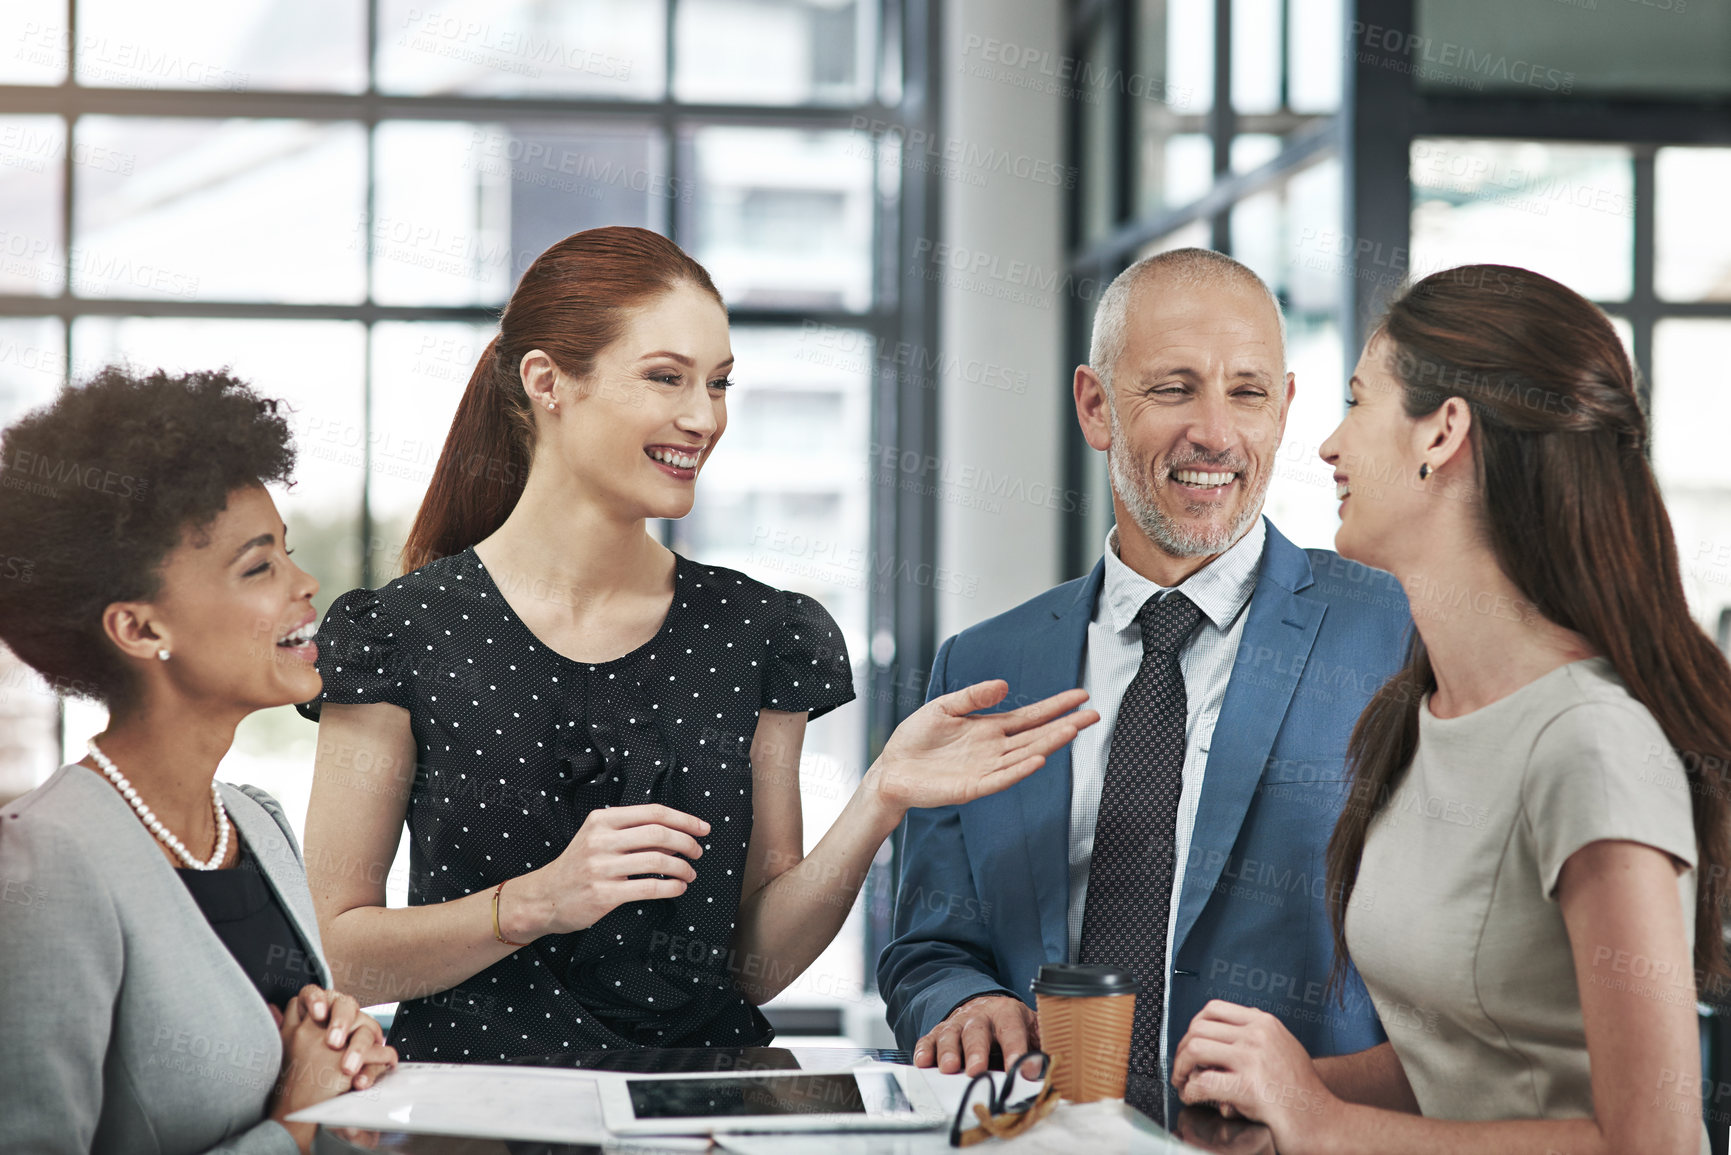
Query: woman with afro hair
[166, 990]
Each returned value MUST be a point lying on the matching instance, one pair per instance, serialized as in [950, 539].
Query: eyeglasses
[998, 1117]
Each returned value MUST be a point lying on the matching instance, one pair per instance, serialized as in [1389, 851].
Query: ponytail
[571, 303]
[481, 470]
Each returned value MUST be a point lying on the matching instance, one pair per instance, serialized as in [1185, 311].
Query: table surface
[1203, 1129]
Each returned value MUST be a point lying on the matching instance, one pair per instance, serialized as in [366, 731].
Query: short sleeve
[806, 666]
[361, 655]
[1605, 771]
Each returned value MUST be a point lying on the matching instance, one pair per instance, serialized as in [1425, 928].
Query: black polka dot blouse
[516, 744]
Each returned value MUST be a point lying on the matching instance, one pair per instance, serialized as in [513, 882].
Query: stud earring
[162, 654]
[550, 406]
[1424, 471]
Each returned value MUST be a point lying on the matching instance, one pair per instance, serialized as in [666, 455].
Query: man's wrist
[999, 993]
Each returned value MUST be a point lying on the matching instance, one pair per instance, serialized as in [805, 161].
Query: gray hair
[1183, 268]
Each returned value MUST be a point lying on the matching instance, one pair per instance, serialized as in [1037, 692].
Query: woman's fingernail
[318, 1010]
[336, 1036]
[351, 1064]
[361, 1083]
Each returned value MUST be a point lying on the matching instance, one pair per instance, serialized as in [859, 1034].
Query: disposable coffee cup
[1085, 1013]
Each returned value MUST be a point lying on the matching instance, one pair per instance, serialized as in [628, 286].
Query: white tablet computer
[867, 1098]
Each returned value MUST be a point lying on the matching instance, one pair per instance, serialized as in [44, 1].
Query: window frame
[901, 613]
[1382, 111]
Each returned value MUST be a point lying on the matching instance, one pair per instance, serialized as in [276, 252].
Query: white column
[999, 260]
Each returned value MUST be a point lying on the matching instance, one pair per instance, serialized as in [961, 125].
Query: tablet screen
[831, 1093]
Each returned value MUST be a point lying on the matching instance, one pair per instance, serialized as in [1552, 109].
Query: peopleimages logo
[33, 150]
[568, 169]
[101, 58]
[1068, 77]
[970, 154]
[1448, 62]
[506, 49]
[46, 476]
[1016, 280]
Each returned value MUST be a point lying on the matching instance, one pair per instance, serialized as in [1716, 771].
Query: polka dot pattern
[1130, 876]
[516, 744]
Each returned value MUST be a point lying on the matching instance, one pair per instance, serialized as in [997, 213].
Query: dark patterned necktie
[1129, 897]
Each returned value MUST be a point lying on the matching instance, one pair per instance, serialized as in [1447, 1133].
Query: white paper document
[545, 1104]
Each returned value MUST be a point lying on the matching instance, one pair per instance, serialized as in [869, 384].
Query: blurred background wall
[911, 206]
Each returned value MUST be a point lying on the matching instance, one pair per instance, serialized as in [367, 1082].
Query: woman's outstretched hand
[947, 753]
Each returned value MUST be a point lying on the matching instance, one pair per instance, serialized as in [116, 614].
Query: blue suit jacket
[983, 896]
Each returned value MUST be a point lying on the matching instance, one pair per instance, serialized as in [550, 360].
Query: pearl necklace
[113, 774]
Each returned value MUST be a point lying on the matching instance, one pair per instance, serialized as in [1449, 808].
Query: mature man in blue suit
[1184, 835]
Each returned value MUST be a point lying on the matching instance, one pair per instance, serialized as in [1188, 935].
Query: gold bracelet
[497, 891]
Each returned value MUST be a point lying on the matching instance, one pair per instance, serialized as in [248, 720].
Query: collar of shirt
[1220, 589]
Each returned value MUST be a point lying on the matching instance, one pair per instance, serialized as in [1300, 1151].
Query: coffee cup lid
[1083, 980]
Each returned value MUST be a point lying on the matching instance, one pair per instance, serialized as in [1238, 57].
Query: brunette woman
[165, 990]
[1531, 873]
[595, 742]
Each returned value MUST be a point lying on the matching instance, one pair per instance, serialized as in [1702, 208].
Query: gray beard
[1134, 487]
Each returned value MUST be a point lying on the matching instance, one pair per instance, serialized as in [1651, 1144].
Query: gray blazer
[125, 1024]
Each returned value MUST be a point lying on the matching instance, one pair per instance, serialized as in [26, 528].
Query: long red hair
[571, 303]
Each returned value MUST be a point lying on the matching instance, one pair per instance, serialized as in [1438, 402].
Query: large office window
[1585, 147]
[1343, 147]
[1570, 211]
[335, 197]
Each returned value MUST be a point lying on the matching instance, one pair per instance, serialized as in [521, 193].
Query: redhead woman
[165, 987]
[1531, 871]
[593, 741]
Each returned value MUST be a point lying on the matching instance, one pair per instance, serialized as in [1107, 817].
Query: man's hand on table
[963, 1042]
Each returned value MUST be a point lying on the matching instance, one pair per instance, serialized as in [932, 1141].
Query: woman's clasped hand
[329, 1046]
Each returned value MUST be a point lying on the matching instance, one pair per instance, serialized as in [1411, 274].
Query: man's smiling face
[1197, 407]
